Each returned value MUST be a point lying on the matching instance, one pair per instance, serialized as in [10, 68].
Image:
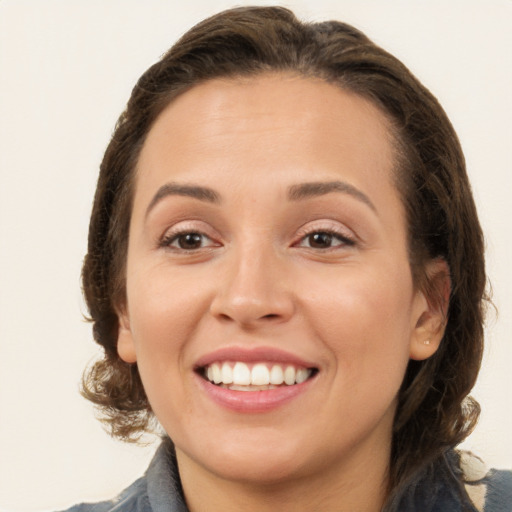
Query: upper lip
[253, 355]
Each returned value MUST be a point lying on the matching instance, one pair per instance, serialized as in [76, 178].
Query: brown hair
[433, 411]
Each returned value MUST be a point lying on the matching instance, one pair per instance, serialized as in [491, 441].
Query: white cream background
[66, 71]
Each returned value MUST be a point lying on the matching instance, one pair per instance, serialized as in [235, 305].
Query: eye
[324, 240]
[188, 241]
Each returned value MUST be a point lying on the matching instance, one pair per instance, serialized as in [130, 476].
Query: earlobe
[432, 313]
[420, 350]
[125, 343]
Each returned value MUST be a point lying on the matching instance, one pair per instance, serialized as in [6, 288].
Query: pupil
[190, 241]
[320, 240]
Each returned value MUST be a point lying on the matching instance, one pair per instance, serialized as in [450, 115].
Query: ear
[430, 311]
[125, 343]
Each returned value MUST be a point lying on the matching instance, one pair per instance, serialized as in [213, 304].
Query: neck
[358, 483]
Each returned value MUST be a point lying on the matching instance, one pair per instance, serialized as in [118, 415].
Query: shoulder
[456, 481]
[499, 492]
[132, 499]
[159, 490]
[490, 490]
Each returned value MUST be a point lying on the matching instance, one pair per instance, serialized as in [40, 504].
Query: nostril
[252, 309]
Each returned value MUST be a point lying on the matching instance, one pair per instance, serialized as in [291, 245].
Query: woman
[285, 268]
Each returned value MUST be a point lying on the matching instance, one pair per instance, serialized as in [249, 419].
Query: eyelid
[184, 227]
[170, 240]
[325, 226]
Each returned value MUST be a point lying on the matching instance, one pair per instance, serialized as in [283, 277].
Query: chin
[261, 459]
[259, 470]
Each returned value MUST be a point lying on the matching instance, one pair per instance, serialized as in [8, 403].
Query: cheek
[364, 320]
[164, 317]
[165, 311]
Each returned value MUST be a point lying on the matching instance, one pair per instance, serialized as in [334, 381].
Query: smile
[241, 376]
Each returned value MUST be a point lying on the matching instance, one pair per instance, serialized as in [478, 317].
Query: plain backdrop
[66, 70]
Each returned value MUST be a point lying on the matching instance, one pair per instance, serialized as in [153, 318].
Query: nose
[254, 290]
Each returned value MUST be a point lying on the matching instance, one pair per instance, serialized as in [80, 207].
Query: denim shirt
[159, 490]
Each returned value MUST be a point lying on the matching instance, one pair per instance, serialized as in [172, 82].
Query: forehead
[271, 123]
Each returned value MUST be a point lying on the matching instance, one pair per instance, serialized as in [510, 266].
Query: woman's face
[268, 242]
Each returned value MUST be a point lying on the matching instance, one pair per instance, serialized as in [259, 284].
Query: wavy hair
[434, 412]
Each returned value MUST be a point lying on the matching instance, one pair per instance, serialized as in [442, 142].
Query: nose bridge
[253, 287]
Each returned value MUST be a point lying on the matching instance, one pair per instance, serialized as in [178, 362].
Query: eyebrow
[175, 189]
[321, 188]
[295, 192]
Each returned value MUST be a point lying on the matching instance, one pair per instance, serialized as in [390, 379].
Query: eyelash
[169, 239]
[330, 235]
[333, 234]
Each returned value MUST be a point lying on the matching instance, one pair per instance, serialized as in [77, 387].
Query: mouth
[258, 376]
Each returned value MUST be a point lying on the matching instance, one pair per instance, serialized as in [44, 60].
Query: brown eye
[320, 240]
[323, 240]
[189, 241]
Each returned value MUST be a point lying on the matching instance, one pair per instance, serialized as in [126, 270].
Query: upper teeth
[259, 375]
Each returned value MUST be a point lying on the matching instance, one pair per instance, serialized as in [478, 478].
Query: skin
[256, 280]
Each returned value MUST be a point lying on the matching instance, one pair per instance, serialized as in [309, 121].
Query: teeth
[239, 376]
[289, 375]
[276, 375]
[217, 377]
[260, 376]
[234, 387]
[301, 375]
[227, 374]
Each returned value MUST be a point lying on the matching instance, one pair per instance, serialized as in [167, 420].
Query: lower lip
[253, 401]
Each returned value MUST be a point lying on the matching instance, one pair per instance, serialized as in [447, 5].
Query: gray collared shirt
[159, 490]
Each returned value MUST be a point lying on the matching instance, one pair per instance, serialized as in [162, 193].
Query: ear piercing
[426, 342]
